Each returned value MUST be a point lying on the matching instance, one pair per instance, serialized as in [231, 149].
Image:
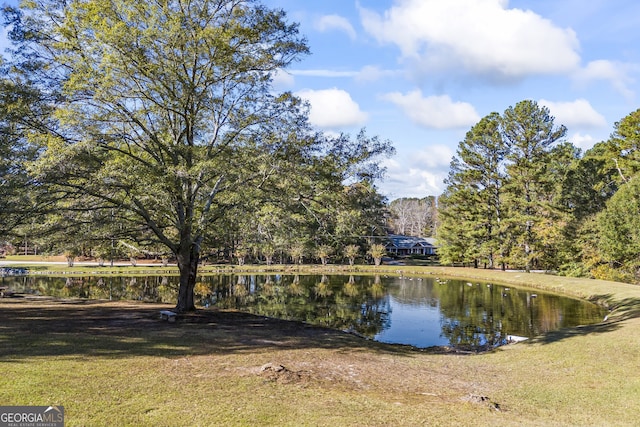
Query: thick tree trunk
[188, 265]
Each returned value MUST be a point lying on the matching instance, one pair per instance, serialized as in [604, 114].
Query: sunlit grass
[209, 374]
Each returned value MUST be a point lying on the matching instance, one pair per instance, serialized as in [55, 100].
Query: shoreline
[284, 373]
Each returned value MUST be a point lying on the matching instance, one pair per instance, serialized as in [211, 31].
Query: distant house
[410, 245]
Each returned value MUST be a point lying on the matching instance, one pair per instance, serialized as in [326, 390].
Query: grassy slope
[207, 374]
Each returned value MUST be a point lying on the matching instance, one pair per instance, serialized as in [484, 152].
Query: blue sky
[422, 72]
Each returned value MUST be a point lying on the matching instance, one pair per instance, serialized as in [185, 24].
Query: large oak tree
[166, 115]
[22, 107]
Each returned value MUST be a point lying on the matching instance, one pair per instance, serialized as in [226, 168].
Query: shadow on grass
[620, 310]
[32, 328]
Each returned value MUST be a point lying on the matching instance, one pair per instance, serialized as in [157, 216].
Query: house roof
[407, 242]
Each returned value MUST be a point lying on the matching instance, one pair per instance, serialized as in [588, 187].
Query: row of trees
[519, 195]
[156, 124]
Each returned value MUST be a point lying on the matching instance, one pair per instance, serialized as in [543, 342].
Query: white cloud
[335, 22]
[368, 73]
[615, 73]
[418, 174]
[433, 156]
[411, 182]
[435, 112]
[483, 37]
[578, 113]
[333, 108]
[582, 141]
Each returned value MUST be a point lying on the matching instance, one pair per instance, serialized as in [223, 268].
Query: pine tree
[470, 209]
[530, 133]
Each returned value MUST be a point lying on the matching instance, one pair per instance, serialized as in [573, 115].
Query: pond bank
[613, 295]
[235, 369]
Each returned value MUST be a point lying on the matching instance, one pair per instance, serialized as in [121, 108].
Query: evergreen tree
[470, 209]
[555, 209]
[617, 225]
[590, 182]
[458, 217]
[529, 133]
[624, 146]
[556, 228]
[619, 232]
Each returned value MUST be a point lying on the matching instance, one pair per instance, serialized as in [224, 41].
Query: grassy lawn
[118, 364]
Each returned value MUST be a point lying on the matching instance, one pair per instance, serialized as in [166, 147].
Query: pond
[421, 312]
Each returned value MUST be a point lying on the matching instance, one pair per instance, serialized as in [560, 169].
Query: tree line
[154, 126]
[518, 195]
[411, 216]
[130, 128]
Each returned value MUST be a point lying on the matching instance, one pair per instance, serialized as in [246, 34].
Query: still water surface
[420, 312]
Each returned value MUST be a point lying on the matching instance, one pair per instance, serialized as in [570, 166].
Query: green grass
[116, 364]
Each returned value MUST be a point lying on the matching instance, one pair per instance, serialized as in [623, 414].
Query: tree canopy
[499, 202]
[165, 120]
[518, 195]
[22, 107]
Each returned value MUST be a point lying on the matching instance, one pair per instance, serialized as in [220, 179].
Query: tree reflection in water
[415, 311]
